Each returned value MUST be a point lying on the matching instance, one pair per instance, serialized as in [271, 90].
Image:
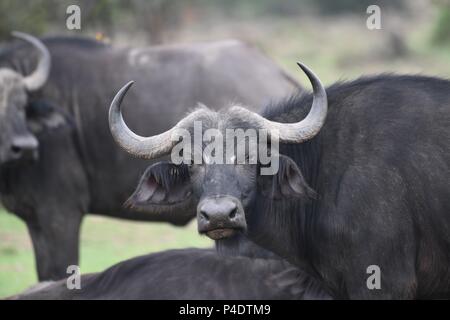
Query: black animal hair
[301, 102]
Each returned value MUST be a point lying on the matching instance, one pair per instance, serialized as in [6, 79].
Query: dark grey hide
[198, 274]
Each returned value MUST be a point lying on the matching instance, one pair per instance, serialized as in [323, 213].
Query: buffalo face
[221, 193]
[16, 141]
[220, 196]
[220, 214]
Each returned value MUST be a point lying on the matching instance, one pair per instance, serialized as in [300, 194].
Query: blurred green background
[329, 36]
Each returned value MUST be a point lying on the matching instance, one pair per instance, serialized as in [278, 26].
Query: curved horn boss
[161, 144]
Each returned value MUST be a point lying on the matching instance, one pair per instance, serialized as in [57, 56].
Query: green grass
[104, 241]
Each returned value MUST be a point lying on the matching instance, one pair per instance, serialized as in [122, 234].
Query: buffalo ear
[287, 182]
[164, 187]
[43, 116]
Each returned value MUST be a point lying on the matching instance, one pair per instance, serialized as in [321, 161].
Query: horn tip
[303, 66]
[127, 86]
[118, 98]
[310, 74]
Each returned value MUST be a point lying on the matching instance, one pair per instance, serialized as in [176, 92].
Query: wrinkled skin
[78, 169]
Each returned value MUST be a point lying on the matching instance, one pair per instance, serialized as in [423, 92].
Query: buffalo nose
[219, 209]
[24, 147]
[220, 217]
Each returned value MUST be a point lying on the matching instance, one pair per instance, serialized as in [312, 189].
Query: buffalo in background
[57, 159]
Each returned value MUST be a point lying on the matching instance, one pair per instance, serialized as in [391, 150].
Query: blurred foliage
[156, 17]
[295, 7]
[41, 16]
[333, 7]
[441, 33]
[104, 16]
[13, 16]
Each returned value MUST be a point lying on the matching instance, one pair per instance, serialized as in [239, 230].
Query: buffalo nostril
[16, 150]
[233, 212]
[204, 215]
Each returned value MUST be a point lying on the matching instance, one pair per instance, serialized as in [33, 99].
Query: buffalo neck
[286, 226]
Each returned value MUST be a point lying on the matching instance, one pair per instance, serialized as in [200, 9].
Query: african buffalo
[56, 116]
[361, 190]
[186, 274]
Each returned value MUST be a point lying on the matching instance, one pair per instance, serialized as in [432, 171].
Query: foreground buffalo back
[187, 274]
[80, 169]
